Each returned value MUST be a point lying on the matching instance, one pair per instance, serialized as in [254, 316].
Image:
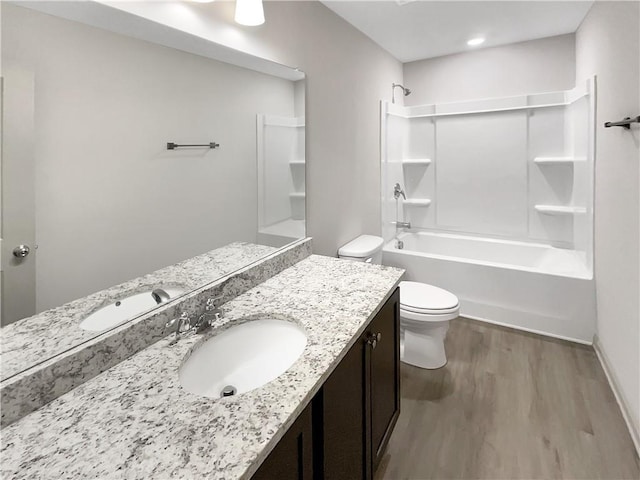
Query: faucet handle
[212, 303]
[180, 323]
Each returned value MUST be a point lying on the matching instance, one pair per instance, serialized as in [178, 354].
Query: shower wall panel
[481, 173]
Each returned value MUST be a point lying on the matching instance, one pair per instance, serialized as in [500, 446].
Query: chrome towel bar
[626, 123]
[173, 146]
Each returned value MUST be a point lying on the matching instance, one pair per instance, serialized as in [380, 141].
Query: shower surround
[500, 203]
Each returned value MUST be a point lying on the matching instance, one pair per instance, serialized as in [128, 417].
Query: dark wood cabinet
[292, 458]
[384, 376]
[360, 401]
[343, 433]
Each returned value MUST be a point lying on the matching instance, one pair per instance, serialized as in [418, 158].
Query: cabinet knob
[373, 340]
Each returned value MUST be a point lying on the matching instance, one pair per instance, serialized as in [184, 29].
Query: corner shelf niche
[559, 210]
[416, 161]
[558, 160]
[417, 202]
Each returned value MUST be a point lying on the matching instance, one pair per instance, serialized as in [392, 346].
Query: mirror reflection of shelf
[417, 202]
[559, 160]
[416, 161]
[297, 195]
[297, 162]
[559, 209]
[290, 227]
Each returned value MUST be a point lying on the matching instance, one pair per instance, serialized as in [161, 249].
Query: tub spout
[402, 224]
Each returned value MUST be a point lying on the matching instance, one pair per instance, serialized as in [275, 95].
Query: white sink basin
[243, 357]
[123, 309]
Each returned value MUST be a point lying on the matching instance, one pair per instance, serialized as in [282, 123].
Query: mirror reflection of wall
[110, 202]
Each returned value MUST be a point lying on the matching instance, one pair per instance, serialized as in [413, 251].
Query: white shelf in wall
[559, 209]
[417, 202]
[558, 160]
[416, 161]
[297, 194]
[297, 162]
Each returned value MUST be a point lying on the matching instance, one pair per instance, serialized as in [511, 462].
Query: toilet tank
[365, 248]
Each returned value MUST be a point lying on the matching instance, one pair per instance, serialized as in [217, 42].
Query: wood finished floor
[509, 405]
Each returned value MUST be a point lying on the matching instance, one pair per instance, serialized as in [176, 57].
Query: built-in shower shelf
[417, 202]
[416, 161]
[559, 160]
[297, 195]
[559, 210]
[297, 162]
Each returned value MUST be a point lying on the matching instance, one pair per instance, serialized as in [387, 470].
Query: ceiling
[414, 30]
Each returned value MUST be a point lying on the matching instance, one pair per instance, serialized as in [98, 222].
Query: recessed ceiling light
[475, 41]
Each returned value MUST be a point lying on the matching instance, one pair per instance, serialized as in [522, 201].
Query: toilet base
[425, 348]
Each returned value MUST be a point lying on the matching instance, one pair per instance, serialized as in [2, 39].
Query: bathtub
[529, 286]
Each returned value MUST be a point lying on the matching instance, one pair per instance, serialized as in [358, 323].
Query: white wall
[607, 45]
[112, 203]
[347, 75]
[543, 65]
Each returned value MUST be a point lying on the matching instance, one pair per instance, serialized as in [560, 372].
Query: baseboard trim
[525, 329]
[617, 392]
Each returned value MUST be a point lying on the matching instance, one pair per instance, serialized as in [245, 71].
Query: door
[18, 195]
[384, 375]
[292, 458]
[344, 442]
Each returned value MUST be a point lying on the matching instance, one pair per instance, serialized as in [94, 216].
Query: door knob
[21, 251]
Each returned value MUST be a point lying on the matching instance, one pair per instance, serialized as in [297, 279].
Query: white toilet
[425, 310]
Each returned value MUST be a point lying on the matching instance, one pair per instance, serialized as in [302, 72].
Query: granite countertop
[30, 341]
[136, 421]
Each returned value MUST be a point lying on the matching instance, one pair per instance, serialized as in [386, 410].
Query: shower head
[405, 91]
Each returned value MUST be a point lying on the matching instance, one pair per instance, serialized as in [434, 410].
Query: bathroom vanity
[332, 410]
[344, 431]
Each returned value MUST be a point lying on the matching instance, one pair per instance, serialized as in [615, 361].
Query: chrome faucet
[160, 296]
[211, 314]
[184, 324]
[397, 191]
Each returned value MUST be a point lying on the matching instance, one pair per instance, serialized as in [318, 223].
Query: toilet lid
[422, 298]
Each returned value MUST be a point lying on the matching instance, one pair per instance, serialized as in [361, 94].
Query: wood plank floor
[509, 405]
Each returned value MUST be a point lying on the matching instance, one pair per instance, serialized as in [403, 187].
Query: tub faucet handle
[398, 191]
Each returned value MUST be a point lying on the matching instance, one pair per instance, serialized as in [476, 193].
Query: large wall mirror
[103, 204]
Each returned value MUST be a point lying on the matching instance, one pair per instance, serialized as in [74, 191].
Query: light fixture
[475, 41]
[249, 12]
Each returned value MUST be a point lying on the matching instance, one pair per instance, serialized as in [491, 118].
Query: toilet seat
[422, 299]
[427, 311]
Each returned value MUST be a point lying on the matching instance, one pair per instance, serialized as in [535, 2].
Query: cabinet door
[292, 458]
[342, 401]
[384, 375]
